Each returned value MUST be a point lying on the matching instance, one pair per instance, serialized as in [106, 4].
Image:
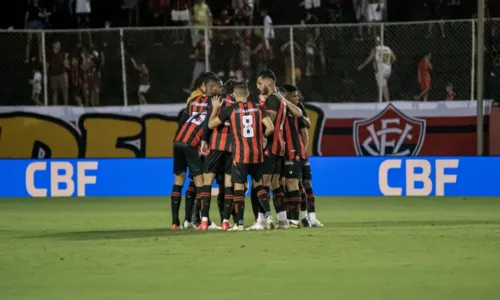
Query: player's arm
[296, 112]
[367, 61]
[269, 126]
[206, 130]
[215, 119]
[273, 105]
[305, 136]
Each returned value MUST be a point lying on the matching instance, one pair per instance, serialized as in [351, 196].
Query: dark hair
[267, 74]
[201, 79]
[211, 79]
[229, 86]
[241, 87]
[289, 88]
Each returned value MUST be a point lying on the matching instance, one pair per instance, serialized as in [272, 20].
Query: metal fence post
[124, 70]
[292, 56]
[45, 77]
[382, 42]
[480, 76]
[207, 50]
[473, 62]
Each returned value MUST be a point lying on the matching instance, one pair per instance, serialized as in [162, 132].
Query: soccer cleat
[257, 226]
[292, 225]
[282, 225]
[203, 226]
[225, 226]
[306, 223]
[316, 223]
[213, 226]
[270, 223]
[187, 225]
[176, 227]
[237, 228]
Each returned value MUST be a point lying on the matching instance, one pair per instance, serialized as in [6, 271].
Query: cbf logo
[390, 133]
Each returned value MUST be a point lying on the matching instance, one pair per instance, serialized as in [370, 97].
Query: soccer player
[219, 158]
[246, 121]
[186, 148]
[276, 108]
[305, 185]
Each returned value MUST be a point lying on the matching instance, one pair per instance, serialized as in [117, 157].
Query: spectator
[243, 14]
[76, 81]
[244, 51]
[36, 84]
[285, 49]
[91, 77]
[450, 94]
[83, 11]
[144, 85]
[435, 12]
[36, 18]
[424, 76]
[312, 4]
[268, 28]
[264, 52]
[200, 62]
[202, 18]
[311, 55]
[58, 63]
[335, 11]
[180, 17]
[375, 11]
[224, 19]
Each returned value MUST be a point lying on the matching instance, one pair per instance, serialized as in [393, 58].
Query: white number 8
[248, 129]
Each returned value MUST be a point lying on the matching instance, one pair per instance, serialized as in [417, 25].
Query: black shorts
[186, 157]
[218, 162]
[240, 172]
[306, 170]
[293, 169]
[272, 164]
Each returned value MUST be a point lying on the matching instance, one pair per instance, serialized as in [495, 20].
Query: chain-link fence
[331, 63]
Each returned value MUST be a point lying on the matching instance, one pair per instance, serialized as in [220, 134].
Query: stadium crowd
[324, 58]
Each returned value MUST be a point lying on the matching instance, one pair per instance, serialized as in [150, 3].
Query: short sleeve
[302, 123]
[273, 103]
[302, 108]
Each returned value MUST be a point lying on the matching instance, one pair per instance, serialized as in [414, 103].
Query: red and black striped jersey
[276, 142]
[295, 149]
[302, 124]
[198, 105]
[221, 138]
[191, 131]
[245, 120]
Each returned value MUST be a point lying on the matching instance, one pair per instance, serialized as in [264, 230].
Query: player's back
[276, 143]
[247, 129]
[221, 138]
[191, 130]
[198, 105]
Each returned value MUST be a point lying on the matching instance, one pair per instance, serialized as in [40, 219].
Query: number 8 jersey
[247, 130]
[191, 131]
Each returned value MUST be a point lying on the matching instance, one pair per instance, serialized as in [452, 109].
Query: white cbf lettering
[84, 179]
[383, 177]
[32, 190]
[442, 178]
[65, 177]
[412, 177]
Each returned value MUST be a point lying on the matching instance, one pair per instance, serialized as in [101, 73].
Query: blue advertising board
[332, 176]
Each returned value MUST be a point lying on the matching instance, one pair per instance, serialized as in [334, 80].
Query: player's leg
[228, 191]
[180, 167]
[265, 220]
[255, 203]
[189, 222]
[239, 177]
[292, 170]
[278, 193]
[311, 201]
[221, 194]
[303, 206]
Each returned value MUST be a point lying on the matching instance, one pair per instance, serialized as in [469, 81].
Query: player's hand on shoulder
[216, 103]
[204, 148]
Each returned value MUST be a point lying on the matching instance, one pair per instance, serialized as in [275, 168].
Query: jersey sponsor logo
[389, 133]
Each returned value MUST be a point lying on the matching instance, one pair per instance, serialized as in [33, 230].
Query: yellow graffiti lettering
[160, 133]
[23, 134]
[314, 118]
[111, 136]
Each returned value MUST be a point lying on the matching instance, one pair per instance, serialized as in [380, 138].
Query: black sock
[205, 200]
[190, 196]
[293, 205]
[303, 196]
[239, 206]
[228, 203]
[175, 200]
[311, 202]
[263, 200]
[197, 206]
[255, 202]
[279, 200]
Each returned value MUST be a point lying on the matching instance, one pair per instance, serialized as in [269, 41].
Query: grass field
[371, 248]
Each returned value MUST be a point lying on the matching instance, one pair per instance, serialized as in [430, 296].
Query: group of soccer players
[225, 137]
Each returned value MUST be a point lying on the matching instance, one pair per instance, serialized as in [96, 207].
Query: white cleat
[187, 225]
[270, 223]
[316, 223]
[237, 228]
[257, 226]
[214, 226]
[283, 225]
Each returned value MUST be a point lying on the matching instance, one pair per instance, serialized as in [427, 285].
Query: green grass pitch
[371, 248]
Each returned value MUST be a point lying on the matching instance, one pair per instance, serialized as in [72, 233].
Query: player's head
[266, 82]
[228, 87]
[199, 82]
[213, 86]
[378, 41]
[240, 92]
[291, 93]
[56, 46]
[264, 12]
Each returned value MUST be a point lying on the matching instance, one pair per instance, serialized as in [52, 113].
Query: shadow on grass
[119, 234]
[163, 232]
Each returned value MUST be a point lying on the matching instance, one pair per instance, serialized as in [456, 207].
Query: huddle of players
[266, 140]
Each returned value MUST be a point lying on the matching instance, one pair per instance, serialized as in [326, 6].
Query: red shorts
[425, 84]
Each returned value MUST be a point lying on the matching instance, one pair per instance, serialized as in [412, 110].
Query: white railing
[321, 60]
